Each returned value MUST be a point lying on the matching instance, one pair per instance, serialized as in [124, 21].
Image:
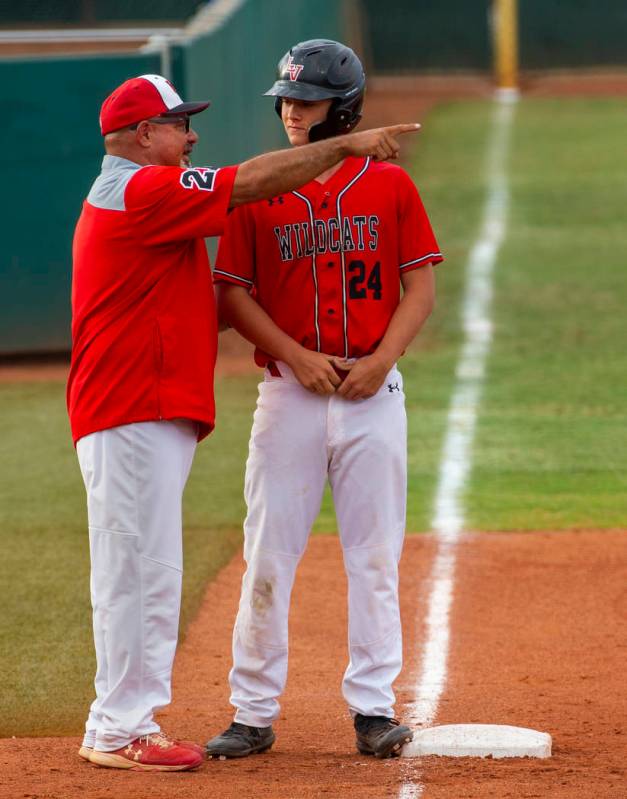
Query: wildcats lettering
[356, 233]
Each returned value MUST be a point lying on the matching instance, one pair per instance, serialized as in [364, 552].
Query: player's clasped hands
[327, 374]
[315, 372]
[365, 377]
[380, 143]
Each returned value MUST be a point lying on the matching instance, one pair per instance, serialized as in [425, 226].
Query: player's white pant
[134, 476]
[297, 441]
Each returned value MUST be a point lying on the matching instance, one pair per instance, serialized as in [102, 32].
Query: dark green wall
[414, 35]
[572, 33]
[50, 152]
[422, 35]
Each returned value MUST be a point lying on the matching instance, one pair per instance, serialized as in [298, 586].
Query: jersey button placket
[330, 301]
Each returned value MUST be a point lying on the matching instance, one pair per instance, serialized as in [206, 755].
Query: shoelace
[157, 739]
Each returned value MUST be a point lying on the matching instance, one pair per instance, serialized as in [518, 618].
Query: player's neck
[324, 176]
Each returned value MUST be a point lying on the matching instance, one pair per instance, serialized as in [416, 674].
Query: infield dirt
[539, 639]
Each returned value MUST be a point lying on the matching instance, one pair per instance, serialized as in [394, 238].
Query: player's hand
[314, 371]
[380, 143]
[365, 377]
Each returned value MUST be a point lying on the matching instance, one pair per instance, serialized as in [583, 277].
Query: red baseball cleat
[191, 745]
[85, 751]
[154, 752]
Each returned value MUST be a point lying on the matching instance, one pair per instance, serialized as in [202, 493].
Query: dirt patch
[34, 371]
[235, 355]
[539, 635]
[580, 83]
[539, 632]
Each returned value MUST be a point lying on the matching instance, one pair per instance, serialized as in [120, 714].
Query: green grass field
[552, 439]
[551, 448]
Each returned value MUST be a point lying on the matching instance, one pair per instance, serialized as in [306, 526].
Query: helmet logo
[293, 69]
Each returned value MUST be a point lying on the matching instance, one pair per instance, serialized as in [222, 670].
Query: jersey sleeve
[417, 244]
[170, 204]
[235, 260]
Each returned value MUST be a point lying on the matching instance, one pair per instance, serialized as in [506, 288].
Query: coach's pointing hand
[380, 143]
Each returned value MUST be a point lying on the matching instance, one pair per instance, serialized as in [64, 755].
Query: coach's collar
[116, 162]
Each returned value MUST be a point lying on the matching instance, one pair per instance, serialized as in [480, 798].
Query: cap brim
[187, 108]
[300, 91]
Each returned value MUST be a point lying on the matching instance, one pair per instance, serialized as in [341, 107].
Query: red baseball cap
[142, 98]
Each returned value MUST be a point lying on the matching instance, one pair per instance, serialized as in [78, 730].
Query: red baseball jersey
[144, 328]
[325, 261]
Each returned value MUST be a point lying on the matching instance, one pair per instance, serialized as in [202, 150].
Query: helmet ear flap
[340, 119]
[278, 102]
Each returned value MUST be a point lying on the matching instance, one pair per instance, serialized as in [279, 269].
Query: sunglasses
[182, 120]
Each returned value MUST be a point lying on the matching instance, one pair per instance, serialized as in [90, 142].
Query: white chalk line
[456, 459]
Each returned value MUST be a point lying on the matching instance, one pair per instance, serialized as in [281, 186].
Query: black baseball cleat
[239, 741]
[381, 736]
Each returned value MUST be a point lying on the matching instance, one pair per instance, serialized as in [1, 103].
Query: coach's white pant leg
[368, 475]
[134, 475]
[101, 680]
[285, 478]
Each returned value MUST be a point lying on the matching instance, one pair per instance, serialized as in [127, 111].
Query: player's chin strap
[339, 120]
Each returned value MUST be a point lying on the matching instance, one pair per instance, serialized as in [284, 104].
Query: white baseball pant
[134, 475]
[298, 440]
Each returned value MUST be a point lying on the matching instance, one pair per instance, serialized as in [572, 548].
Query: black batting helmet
[321, 69]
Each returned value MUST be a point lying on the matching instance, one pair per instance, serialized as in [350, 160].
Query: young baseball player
[313, 278]
[140, 390]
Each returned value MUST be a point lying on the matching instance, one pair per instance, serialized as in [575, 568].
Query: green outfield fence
[572, 33]
[50, 152]
[418, 35]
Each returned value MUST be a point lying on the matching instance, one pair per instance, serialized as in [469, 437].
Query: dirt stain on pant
[263, 596]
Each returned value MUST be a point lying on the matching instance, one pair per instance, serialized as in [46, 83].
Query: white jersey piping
[342, 259]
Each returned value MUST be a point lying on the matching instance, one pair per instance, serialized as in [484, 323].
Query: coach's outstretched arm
[279, 172]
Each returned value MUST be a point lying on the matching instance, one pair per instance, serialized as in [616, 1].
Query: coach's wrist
[341, 146]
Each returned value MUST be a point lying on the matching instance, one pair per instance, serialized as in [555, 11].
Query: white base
[478, 740]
